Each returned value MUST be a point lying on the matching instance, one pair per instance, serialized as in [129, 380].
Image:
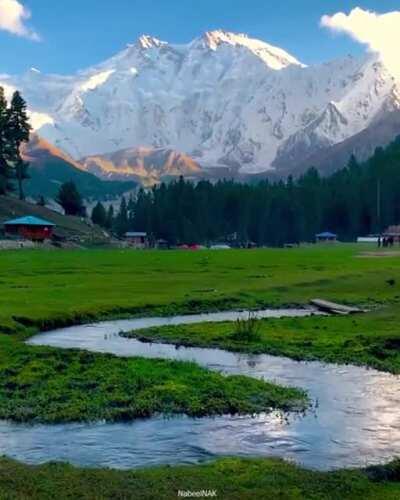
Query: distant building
[29, 228]
[393, 232]
[137, 240]
[326, 237]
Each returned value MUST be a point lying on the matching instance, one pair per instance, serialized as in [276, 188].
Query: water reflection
[355, 419]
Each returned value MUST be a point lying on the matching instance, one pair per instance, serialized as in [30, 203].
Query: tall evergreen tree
[41, 202]
[122, 221]
[99, 215]
[18, 132]
[21, 173]
[110, 217]
[70, 199]
[6, 151]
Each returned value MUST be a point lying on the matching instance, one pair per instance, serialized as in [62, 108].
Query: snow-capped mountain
[224, 99]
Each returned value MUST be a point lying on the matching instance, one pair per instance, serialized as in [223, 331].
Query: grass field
[40, 290]
[47, 288]
[231, 479]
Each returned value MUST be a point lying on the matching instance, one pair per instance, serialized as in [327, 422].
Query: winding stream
[355, 420]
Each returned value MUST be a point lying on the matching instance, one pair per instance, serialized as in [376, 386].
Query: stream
[355, 419]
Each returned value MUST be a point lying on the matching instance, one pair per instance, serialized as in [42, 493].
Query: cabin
[326, 237]
[29, 228]
[137, 239]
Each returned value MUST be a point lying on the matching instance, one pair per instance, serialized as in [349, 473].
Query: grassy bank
[372, 339]
[51, 288]
[51, 385]
[231, 479]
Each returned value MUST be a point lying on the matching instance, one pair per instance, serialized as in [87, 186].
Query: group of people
[385, 241]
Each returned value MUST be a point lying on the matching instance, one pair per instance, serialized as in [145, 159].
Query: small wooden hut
[326, 237]
[29, 228]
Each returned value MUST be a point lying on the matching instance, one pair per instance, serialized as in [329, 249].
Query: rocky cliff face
[147, 165]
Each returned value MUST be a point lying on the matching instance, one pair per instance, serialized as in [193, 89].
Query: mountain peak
[149, 42]
[275, 57]
[215, 38]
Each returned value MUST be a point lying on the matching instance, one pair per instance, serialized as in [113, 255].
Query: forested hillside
[273, 213]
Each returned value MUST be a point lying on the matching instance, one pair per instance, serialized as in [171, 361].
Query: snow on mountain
[274, 57]
[224, 99]
[371, 93]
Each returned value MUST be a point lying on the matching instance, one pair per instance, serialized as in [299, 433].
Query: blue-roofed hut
[29, 228]
[326, 237]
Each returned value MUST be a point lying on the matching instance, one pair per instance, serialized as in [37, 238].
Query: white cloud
[380, 32]
[13, 16]
[8, 90]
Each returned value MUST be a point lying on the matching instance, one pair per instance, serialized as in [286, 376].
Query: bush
[247, 329]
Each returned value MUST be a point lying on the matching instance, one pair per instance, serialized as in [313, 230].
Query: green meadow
[230, 479]
[46, 289]
[43, 288]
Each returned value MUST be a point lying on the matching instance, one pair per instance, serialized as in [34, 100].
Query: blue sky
[79, 33]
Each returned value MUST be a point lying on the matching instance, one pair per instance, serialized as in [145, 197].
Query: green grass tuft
[246, 329]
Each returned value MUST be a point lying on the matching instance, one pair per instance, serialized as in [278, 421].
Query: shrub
[247, 329]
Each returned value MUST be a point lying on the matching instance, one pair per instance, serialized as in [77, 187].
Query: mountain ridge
[50, 167]
[146, 165]
[224, 99]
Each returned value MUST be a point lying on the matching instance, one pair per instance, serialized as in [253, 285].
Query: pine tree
[41, 202]
[122, 221]
[131, 212]
[5, 146]
[99, 215]
[18, 130]
[110, 217]
[70, 199]
[21, 172]
[131, 204]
